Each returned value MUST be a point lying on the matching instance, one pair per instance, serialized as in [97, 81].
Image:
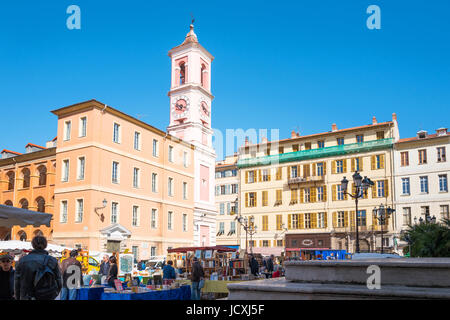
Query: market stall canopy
[16, 246]
[187, 249]
[12, 216]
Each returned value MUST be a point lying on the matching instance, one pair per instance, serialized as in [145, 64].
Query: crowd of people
[270, 268]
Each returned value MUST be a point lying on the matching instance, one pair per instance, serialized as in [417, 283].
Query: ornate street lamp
[382, 214]
[361, 186]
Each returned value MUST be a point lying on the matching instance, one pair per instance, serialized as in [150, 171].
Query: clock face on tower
[180, 107]
[205, 112]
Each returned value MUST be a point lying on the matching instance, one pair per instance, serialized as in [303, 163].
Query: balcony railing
[305, 180]
[316, 153]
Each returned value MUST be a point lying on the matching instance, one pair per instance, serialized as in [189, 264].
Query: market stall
[315, 254]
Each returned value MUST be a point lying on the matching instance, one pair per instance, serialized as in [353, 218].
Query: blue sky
[281, 64]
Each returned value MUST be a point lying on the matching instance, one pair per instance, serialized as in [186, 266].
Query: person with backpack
[70, 268]
[37, 275]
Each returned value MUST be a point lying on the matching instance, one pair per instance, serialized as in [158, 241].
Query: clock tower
[190, 120]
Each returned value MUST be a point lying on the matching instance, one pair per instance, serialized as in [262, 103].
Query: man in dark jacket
[104, 269]
[254, 266]
[29, 266]
[197, 275]
[72, 276]
[169, 271]
[6, 277]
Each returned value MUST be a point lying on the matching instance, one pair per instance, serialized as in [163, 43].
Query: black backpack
[45, 284]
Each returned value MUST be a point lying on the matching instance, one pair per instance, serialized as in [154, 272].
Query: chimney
[334, 127]
[293, 134]
[374, 120]
[394, 117]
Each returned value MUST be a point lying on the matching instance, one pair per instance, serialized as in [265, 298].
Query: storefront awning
[12, 216]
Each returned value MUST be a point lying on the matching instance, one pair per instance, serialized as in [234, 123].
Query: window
[424, 184]
[185, 159]
[340, 192]
[115, 172]
[320, 194]
[381, 188]
[67, 129]
[423, 156]
[265, 223]
[40, 204]
[294, 147]
[295, 224]
[184, 190]
[170, 187]
[169, 220]
[362, 220]
[11, 180]
[234, 188]
[154, 182]
[294, 196]
[182, 73]
[137, 141]
[184, 222]
[136, 177]
[265, 176]
[279, 197]
[441, 154]
[221, 228]
[425, 210]
[404, 156]
[279, 174]
[341, 219]
[319, 167]
[443, 186]
[321, 220]
[170, 154]
[232, 228]
[279, 243]
[63, 218]
[81, 167]
[265, 243]
[114, 212]
[279, 222]
[228, 207]
[356, 163]
[379, 161]
[340, 141]
[265, 199]
[294, 172]
[320, 144]
[154, 218]
[406, 216]
[26, 178]
[360, 138]
[405, 186]
[380, 135]
[250, 199]
[155, 147]
[280, 150]
[83, 127]
[80, 210]
[116, 133]
[222, 208]
[135, 216]
[135, 251]
[444, 212]
[65, 171]
[307, 220]
[153, 252]
[339, 166]
[307, 195]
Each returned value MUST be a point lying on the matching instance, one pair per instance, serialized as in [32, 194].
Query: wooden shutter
[361, 164]
[344, 165]
[289, 172]
[386, 188]
[301, 221]
[325, 193]
[333, 166]
[259, 175]
[313, 194]
[353, 164]
[382, 161]
[352, 220]
[373, 162]
[324, 168]
[302, 195]
[256, 197]
[314, 220]
[246, 177]
[374, 222]
[314, 171]
[374, 190]
[334, 219]
[346, 219]
[289, 221]
[333, 192]
[325, 219]
[246, 200]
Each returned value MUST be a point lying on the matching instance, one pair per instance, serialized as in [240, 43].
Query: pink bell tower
[190, 120]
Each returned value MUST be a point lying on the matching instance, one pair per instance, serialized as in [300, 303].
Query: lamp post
[382, 213]
[361, 186]
[428, 219]
[101, 216]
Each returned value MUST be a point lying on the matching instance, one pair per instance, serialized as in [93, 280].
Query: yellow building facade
[292, 188]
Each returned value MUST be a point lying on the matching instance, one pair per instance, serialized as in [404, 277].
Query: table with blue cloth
[89, 293]
[182, 293]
